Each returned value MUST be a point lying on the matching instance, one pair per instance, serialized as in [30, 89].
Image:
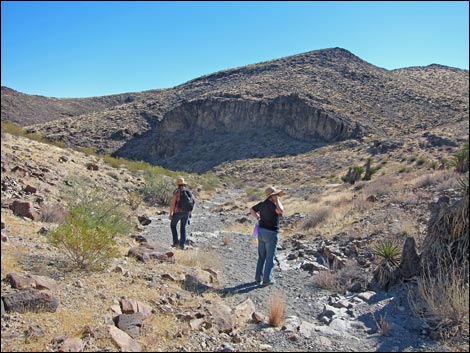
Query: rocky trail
[315, 319]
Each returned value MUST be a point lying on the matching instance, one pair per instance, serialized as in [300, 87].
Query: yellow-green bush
[158, 189]
[87, 247]
[87, 236]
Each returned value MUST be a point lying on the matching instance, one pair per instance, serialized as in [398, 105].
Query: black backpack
[186, 201]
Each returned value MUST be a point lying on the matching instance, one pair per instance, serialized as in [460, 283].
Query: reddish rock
[23, 209]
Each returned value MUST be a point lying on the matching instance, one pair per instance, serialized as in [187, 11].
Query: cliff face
[200, 120]
[199, 134]
[280, 107]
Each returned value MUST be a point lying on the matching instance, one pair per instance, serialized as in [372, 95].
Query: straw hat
[180, 181]
[273, 191]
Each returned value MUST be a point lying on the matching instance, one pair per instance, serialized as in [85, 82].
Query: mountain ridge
[321, 96]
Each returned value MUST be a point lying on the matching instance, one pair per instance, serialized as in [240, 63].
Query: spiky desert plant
[353, 175]
[461, 160]
[387, 271]
[382, 324]
[389, 251]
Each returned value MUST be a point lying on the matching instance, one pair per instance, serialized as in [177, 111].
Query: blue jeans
[267, 244]
[181, 217]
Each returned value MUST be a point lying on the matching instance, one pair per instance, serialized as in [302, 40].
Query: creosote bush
[87, 247]
[158, 189]
[87, 236]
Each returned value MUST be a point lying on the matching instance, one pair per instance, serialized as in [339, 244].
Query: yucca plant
[461, 160]
[353, 175]
[389, 251]
[387, 271]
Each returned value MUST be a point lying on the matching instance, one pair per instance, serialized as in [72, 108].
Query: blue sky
[73, 49]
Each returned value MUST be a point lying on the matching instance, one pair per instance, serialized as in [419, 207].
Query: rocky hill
[25, 109]
[275, 108]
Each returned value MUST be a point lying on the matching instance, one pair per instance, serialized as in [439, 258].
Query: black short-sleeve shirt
[269, 219]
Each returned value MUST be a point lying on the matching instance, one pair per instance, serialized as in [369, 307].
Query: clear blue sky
[81, 49]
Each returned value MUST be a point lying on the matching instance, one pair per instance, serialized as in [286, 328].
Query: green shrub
[158, 189]
[433, 165]
[89, 151]
[209, 181]
[12, 129]
[445, 163]
[87, 247]
[97, 208]
[87, 236]
[112, 161]
[17, 130]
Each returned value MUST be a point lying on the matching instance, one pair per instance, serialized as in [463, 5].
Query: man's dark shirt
[269, 219]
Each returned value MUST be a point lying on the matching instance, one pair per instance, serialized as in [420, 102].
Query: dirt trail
[356, 328]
